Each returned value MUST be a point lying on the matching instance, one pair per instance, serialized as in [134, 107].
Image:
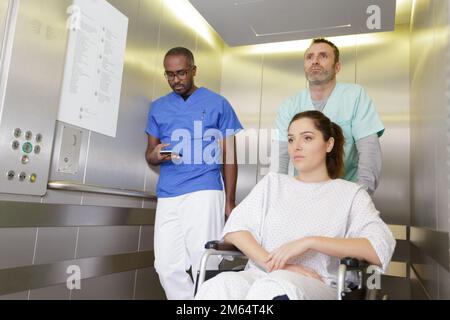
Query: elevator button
[29, 135]
[17, 133]
[37, 149]
[33, 178]
[22, 176]
[10, 175]
[25, 159]
[27, 147]
[39, 138]
[15, 145]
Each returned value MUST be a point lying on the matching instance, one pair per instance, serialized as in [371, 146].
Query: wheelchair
[346, 290]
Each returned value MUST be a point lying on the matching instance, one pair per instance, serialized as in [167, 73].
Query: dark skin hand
[153, 156]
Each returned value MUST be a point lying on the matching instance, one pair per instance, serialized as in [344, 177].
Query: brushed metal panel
[146, 241]
[15, 215]
[283, 76]
[387, 82]
[388, 85]
[107, 240]
[79, 187]
[392, 197]
[55, 244]
[16, 247]
[441, 112]
[51, 293]
[402, 251]
[418, 292]
[70, 151]
[396, 288]
[33, 90]
[62, 197]
[92, 199]
[426, 270]
[112, 287]
[433, 243]
[430, 157]
[348, 57]
[148, 286]
[66, 197]
[118, 162]
[149, 204]
[15, 296]
[144, 56]
[426, 77]
[144, 60]
[46, 275]
[444, 283]
[245, 97]
[19, 198]
[208, 58]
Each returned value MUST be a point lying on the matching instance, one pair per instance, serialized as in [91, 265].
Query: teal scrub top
[350, 107]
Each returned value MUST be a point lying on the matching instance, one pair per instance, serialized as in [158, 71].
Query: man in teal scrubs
[346, 104]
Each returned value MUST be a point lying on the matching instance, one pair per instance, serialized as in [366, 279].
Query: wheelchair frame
[348, 264]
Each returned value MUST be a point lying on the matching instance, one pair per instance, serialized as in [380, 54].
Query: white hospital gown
[281, 209]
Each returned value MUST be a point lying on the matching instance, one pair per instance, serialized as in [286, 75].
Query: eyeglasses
[180, 74]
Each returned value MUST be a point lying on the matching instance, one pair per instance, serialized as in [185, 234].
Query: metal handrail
[73, 186]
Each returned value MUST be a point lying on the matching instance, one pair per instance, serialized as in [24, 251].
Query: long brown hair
[335, 158]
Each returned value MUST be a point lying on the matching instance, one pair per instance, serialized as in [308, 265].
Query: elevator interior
[74, 196]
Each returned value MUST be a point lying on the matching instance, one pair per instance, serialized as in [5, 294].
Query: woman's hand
[278, 258]
[308, 272]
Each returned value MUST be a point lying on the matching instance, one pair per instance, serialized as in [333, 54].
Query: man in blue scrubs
[346, 104]
[197, 183]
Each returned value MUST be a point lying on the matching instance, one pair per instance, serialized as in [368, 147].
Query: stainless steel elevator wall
[430, 157]
[47, 237]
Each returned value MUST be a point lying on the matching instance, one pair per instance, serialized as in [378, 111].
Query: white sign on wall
[93, 71]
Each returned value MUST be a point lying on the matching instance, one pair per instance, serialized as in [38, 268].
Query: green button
[27, 147]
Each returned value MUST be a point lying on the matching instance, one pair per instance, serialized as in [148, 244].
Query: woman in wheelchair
[294, 230]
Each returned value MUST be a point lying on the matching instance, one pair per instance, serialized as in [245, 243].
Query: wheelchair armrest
[215, 248]
[350, 264]
[220, 246]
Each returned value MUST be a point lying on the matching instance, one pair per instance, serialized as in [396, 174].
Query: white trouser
[183, 225]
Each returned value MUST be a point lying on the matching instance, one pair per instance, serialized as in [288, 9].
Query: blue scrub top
[192, 128]
[350, 107]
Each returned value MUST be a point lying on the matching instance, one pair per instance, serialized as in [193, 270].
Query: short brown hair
[331, 44]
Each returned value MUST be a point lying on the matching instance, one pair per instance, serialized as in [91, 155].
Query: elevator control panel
[25, 155]
[29, 101]
[26, 148]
